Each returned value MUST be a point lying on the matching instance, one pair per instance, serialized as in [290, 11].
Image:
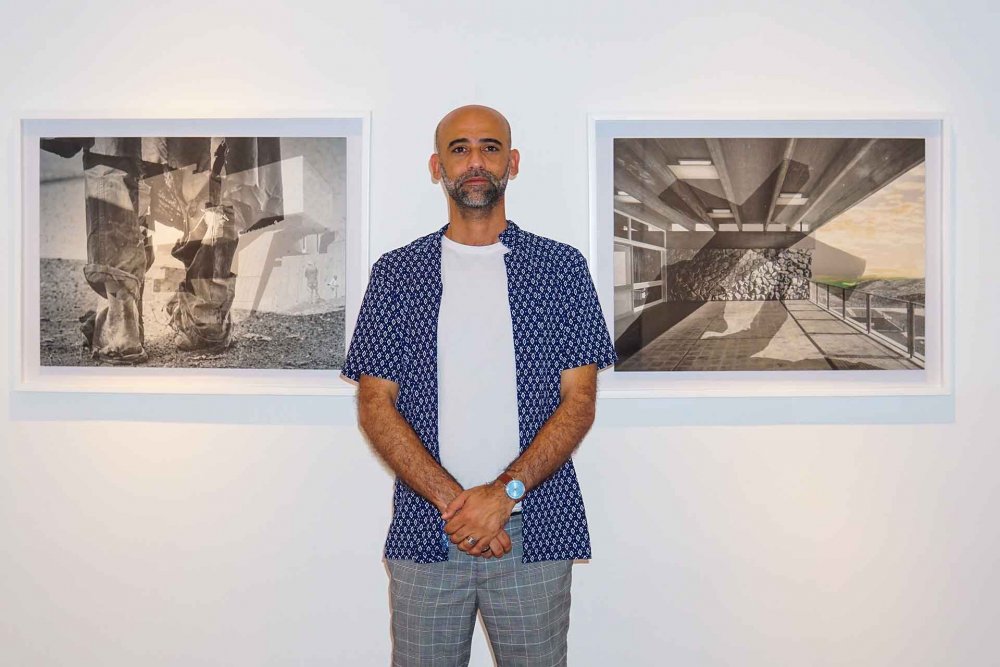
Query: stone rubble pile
[724, 274]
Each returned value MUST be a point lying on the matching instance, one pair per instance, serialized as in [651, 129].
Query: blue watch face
[515, 489]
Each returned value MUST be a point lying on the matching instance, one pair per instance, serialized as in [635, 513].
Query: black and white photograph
[200, 251]
[794, 252]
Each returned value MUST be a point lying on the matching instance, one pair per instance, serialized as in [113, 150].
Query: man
[476, 352]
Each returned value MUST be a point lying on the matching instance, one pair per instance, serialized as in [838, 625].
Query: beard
[482, 197]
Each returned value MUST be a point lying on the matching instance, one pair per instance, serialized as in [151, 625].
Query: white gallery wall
[213, 530]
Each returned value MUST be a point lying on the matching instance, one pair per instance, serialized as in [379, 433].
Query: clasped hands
[479, 513]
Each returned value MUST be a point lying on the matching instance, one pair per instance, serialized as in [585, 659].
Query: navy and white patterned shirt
[557, 324]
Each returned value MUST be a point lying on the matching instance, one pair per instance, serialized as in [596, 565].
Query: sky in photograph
[886, 229]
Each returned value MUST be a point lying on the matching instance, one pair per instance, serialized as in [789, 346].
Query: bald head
[471, 113]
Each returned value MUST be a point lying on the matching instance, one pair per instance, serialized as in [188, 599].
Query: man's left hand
[479, 512]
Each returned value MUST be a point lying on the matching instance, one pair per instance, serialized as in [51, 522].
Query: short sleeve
[585, 337]
[377, 343]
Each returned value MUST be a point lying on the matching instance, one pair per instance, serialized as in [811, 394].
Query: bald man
[476, 352]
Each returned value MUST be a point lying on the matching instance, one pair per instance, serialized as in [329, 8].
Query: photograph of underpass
[750, 254]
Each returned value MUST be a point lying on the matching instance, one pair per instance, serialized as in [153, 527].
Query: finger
[468, 523]
[463, 544]
[496, 547]
[455, 505]
[482, 549]
[456, 524]
[504, 539]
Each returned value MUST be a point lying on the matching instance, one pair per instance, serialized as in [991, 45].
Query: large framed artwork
[742, 257]
[190, 255]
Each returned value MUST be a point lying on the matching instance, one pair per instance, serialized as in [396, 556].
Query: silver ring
[471, 541]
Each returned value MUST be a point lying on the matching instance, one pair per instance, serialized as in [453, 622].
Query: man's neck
[476, 226]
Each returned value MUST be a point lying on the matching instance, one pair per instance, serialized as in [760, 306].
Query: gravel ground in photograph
[313, 338]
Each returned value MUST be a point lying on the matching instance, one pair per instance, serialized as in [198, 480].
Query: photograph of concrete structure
[769, 253]
[190, 251]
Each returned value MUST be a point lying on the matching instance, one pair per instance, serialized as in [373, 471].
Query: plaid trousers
[525, 608]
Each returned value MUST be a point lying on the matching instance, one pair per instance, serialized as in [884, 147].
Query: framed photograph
[761, 257]
[190, 255]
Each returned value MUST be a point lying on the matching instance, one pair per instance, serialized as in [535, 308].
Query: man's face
[474, 159]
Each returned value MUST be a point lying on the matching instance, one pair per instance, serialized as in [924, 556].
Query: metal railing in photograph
[893, 321]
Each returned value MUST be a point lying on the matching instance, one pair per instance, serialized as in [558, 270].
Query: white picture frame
[935, 378]
[29, 373]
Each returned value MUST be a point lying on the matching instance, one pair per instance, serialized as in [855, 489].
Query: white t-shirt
[477, 387]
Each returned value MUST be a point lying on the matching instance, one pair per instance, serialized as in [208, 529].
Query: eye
[490, 148]
[459, 149]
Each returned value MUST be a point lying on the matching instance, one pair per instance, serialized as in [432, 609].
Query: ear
[434, 166]
[515, 161]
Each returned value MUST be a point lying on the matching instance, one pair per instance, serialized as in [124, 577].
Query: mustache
[477, 173]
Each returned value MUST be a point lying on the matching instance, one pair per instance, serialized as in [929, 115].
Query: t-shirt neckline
[472, 249]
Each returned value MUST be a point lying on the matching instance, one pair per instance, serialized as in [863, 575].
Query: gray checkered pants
[525, 608]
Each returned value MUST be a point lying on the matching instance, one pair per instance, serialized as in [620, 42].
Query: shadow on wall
[649, 324]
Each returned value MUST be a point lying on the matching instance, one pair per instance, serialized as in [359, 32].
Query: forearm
[398, 445]
[555, 441]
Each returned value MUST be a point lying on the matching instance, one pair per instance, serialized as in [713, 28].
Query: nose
[475, 159]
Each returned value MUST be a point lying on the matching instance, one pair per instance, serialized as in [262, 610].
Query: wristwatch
[513, 487]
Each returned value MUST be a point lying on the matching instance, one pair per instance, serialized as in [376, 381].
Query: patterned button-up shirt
[557, 324]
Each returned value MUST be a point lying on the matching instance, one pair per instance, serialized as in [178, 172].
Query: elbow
[367, 414]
